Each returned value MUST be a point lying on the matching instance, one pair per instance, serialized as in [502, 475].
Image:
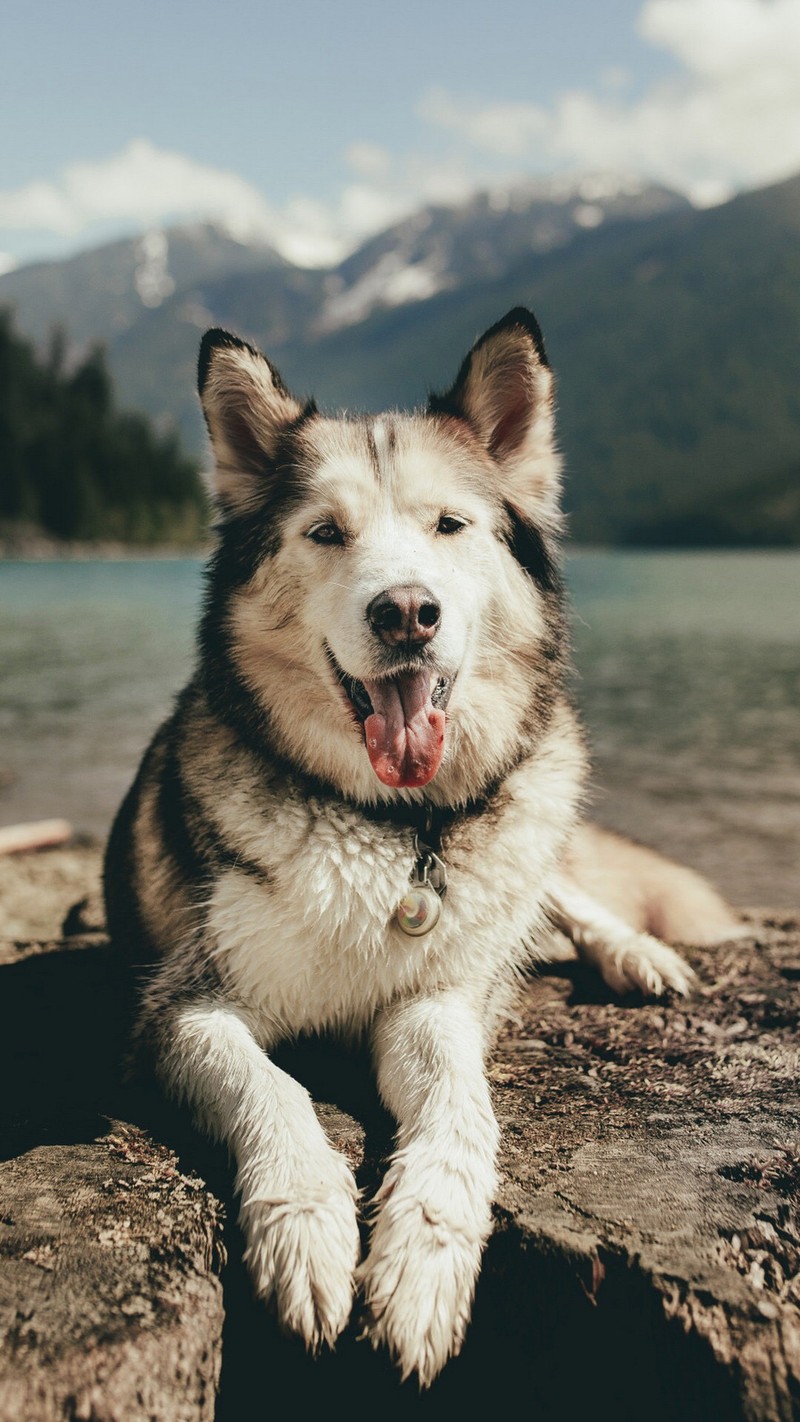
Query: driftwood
[41, 834]
[645, 1263]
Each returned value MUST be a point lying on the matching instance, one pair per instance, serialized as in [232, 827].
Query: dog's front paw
[419, 1279]
[638, 962]
[302, 1251]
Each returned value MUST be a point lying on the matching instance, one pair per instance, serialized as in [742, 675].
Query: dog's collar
[428, 821]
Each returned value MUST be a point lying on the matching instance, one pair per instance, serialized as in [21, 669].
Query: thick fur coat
[380, 680]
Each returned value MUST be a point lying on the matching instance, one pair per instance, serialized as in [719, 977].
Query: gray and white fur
[382, 654]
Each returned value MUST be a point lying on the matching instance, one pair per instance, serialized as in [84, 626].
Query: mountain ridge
[673, 332]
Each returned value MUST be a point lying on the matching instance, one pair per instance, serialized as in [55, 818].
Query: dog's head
[384, 603]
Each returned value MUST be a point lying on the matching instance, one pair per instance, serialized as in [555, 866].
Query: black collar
[427, 820]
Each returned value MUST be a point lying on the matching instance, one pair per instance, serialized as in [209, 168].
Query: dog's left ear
[248, 410]
[504, 390]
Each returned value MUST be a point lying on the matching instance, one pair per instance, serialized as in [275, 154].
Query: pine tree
[74, 465]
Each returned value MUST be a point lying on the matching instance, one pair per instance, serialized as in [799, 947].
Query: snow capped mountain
[441, 248]
[629, 281]
[99, 294]
[147, 297]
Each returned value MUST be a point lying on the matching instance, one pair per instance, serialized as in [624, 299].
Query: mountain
[673, 332]
[295, 311]
[155, 360]
[675, 342]
[445, 248]
[98, 295]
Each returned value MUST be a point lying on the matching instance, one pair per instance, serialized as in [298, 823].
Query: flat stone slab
[645, 1263]
[110, 1299]
[651, 1157]
[110, 1307]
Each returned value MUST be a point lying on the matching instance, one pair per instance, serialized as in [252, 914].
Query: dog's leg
[434, 1207]
[298, 1194]
[625, 959]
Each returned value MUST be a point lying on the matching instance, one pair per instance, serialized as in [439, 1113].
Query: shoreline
[35, 549]
[50, 550]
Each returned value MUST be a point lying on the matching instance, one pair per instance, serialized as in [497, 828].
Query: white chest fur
[314, 943]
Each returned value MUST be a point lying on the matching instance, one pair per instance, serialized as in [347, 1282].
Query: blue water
[688, 677]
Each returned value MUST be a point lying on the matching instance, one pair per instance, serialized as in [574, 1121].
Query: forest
[76, 466]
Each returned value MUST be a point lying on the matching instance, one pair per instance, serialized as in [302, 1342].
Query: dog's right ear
[504, 392]
[248, 410]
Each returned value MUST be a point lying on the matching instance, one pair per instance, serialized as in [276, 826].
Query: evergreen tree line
[75, 466]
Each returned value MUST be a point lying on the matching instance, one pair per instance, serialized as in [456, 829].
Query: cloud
[730, 119]
[368, 160]
[386, 189]
[508, 130]
[719, 38]
[141, 184]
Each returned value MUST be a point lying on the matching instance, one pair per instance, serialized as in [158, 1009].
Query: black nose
[406, 614]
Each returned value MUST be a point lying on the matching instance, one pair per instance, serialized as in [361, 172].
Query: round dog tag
[418, 910]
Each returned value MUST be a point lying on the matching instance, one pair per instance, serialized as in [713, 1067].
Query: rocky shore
[31, 545]
[646, 1256]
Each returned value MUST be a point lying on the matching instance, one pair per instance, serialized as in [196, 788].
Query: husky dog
[378, 712]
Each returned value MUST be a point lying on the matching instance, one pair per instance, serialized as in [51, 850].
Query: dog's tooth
[360, 698]
[441, 692]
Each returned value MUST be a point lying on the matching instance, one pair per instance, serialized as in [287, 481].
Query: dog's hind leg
[298, 1194]
[625, 959]
[650, 892]
[434, 1206]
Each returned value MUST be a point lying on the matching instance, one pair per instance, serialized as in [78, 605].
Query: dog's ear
[248, 411]
[504, 391]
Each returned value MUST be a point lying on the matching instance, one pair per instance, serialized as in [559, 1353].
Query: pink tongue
[405, 733]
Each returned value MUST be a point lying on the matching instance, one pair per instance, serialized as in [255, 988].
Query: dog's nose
[405, 614]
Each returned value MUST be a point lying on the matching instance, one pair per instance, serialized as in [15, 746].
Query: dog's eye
[328, 533]
[448, 523]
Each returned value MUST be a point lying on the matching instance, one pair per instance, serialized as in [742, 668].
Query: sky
[313, 125]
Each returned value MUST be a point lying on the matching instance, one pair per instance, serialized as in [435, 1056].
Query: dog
[364, 817]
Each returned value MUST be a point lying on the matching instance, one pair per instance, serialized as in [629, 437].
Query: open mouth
[404, 721]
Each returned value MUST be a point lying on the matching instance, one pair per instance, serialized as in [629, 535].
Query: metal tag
[419, 910]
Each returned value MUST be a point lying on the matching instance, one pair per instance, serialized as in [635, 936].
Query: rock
[652, 1170]
[110, 1251]
[646, 1257]
[110, 1307]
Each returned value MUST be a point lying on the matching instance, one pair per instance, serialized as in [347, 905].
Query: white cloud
[721, 38]
[39, 206]
[509, 130]
[730, 119]
[142, 184]
[368, 160]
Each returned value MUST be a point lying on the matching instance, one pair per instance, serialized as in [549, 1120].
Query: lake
[688, 676]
